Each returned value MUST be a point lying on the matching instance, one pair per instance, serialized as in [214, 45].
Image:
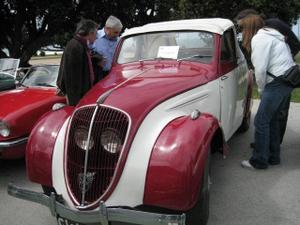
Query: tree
[27, 25]
[287, 10]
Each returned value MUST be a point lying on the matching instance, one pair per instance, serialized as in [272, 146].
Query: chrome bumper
[7, 144]
[104, 215]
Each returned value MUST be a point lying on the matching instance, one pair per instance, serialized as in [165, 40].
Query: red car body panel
[41, 144]
[177, 163]
[20, 109]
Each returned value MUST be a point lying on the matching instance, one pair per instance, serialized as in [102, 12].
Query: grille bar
[86, 158]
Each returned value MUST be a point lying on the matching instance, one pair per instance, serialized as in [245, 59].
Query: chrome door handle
[224, 77]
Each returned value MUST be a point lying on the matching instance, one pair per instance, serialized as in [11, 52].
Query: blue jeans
[267, 124]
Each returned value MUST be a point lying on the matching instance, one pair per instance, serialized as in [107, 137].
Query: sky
[296, 29]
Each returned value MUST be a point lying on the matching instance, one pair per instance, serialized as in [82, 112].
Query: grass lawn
[296, 91]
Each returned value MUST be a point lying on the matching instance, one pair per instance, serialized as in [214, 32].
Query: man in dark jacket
[76, 74]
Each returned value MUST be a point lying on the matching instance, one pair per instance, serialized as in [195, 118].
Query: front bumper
[104, 215]
[9, 144]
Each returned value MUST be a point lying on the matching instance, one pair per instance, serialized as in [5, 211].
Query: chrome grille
[90, 167]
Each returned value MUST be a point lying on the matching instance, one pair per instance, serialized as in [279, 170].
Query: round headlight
[4, 130]
[81, 138]
[111, 141]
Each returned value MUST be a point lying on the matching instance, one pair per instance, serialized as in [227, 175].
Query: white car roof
[214, 25]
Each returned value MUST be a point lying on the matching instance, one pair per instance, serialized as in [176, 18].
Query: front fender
[41, 144]
[177, 162]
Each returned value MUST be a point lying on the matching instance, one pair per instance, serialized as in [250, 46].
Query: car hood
[137, 89]
[25, 105]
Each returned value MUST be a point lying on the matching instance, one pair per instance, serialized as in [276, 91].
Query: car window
[228, 48]
[41, 76]
[189, 45]
[6, 76]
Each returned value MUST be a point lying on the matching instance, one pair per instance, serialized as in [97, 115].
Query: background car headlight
[4, 129]
[111, 141]
[81, 138]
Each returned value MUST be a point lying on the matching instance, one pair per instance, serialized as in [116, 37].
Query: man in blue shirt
[107, 40]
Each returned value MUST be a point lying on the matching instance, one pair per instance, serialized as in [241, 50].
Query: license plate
[64, 221]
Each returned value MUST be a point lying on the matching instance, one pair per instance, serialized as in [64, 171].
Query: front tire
[198, 215]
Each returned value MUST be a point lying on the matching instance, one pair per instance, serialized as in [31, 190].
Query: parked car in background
[8, 73]
[22, 107]
[137, 147]
[7, 81]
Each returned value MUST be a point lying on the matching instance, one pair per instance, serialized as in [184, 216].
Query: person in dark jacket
[76, 75]
[291, 40]
[98, 63]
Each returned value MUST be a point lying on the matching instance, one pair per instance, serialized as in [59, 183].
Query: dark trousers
[267, 124]
[283, 117]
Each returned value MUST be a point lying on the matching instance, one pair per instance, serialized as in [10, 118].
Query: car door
[231, 110]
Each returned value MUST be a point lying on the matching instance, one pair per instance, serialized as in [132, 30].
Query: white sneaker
[246, 164]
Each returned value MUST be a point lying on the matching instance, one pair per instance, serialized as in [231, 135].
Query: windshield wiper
[155, 58]
[23, 85]
[194, 56]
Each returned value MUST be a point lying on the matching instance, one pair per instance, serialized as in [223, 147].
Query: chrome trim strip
[104, 214]
[87, 156]
[7, 144]
[105, 95]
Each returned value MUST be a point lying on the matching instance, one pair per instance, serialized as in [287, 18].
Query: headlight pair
[110, 140]
[4, 129]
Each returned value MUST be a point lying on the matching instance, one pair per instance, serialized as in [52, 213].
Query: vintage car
[8, 73]
[136, 149]
[22, 107]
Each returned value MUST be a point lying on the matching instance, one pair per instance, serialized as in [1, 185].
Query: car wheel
[198, 215]
[245, 123]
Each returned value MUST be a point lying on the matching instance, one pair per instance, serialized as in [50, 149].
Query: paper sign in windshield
[170, 52]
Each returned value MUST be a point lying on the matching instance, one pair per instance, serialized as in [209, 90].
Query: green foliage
[296, 95]
[287, 10]
[27, 25]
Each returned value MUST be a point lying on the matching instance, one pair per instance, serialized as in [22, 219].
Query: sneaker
[246, 164]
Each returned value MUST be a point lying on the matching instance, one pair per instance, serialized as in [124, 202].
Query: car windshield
[9, 65]
[41, 76]
[6, 76]
[179, 45]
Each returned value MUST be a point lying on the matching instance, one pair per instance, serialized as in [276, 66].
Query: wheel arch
[178, 160]
[41, 143]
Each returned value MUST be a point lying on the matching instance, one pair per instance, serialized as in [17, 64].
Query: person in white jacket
[269, 53]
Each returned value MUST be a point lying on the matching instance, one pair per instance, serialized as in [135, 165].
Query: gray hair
[113, 22]
[86, 26]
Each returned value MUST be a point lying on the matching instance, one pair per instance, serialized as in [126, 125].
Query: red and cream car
[136, 148]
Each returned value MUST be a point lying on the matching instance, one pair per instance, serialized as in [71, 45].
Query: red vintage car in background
[22, 107]
[136, 149]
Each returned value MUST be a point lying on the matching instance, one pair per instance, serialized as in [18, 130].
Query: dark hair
[248, 12]
[250, 25]
[86, 26]
[244, 13]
